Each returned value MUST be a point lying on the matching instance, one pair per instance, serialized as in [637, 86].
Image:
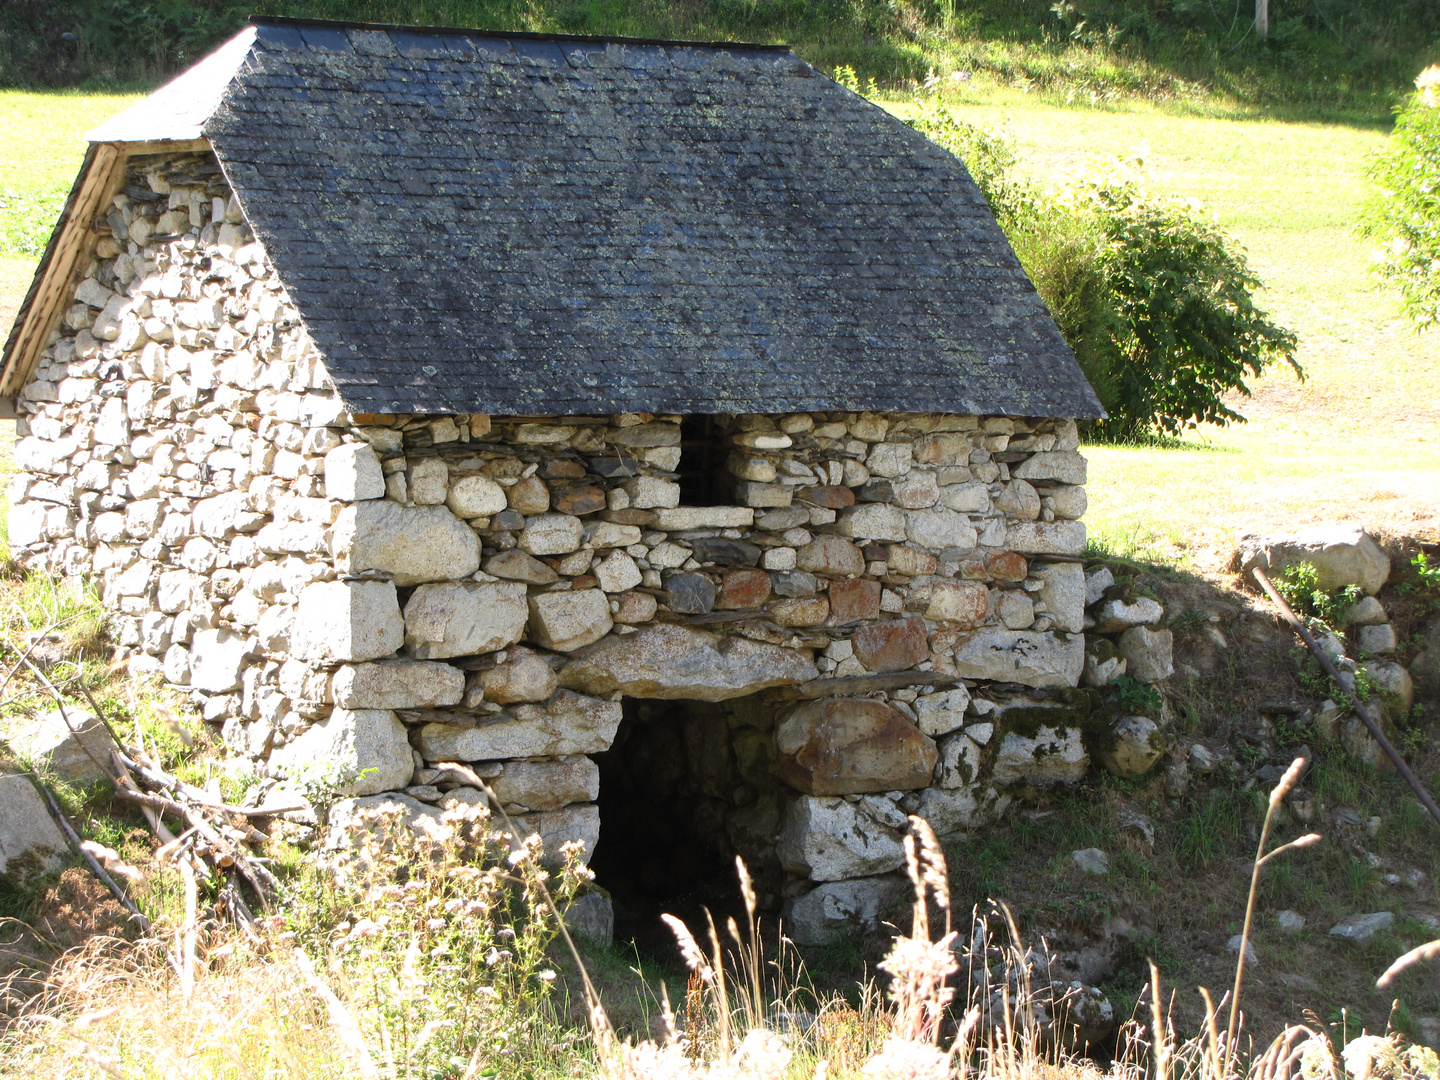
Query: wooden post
[1262, 18]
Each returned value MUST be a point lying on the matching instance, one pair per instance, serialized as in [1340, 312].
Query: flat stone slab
[668, 661]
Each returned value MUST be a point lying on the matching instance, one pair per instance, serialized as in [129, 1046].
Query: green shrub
[1298, 585]
[1156, 304]
[1186, 328]
[1405, 210]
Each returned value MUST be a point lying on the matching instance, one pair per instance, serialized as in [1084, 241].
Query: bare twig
[1360, 709]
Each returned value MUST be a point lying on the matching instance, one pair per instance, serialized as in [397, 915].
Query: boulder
[617, 572]
[741, 590]
[547, 785]
[893, 644]
[804, 611]
[839, 910]
[845, 746]
[1341, 554]
[566, 621]
[1096, 582]
[411, 544]
[217, 659]
[1091, 861]
[517, 565]
[464, 618]
[965, 603]
[1395, 685]
[1149, 654]
[1135, 746]
[1120, 614]
[475, 496]
[1064, 466]
[872, 521]
[552, 534]
[1367, 611]
[829, 554]
[347, 620]
[669, 661]
[942, 712]
[690, 594]
[1041, 659]
[955, 810]
[30, 841]
[524, 676]
[854, 599]
[591, 916]
[51, 744]
[355, 752]
[1053, 755]
[939, 529]
[1363, 927]
[1425, 668]
[959, 764]
[1103, 662]
[830, 839]
[1046, 537]
[344, 824]
[1374, 640]
[685, 518]
[353, 473]
[1062, 590]
[567, 724]
[570, 825]
[397, 684]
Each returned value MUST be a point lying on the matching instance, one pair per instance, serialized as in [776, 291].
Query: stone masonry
[354, 601]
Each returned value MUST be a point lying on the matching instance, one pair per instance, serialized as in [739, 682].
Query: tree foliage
[1405, 210]
[1157, 304]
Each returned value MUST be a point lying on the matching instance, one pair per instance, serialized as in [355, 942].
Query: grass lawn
[1356, 440]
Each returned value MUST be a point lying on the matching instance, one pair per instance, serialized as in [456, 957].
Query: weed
[1137, 697]
[1299, 586]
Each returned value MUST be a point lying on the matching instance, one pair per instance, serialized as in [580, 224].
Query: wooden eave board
[101, 175]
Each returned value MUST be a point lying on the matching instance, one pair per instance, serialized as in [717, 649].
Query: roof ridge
[524, 35]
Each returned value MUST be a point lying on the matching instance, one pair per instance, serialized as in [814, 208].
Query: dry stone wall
[355, 602]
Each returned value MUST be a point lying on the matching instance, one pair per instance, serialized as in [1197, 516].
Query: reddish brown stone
[903, 559]
[830, 496]
[562, 469]
[847, 746]
[973, 570]
[854, 598]
[578, 500]
[740, 589]
[635, 607]
[892, 645]
[830, 555]
[805, 611]
[584, 581]
[1007, 566]
[631, 517]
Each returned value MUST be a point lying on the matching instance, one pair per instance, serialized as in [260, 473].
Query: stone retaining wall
[355, 601]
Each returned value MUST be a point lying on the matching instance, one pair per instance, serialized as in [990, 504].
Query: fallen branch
[1327, 666]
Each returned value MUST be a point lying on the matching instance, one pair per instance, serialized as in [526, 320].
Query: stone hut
[658, 429]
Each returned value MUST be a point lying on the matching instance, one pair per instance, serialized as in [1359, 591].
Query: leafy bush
[1156, 304]
[1186, 327]
[1405, 211]
[1298, 586]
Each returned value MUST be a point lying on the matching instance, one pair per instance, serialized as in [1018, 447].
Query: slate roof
[531, 224]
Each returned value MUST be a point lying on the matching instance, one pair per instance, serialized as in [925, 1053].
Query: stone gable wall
[356, 601]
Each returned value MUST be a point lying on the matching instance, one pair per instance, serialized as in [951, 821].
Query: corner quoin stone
[348, 620]
[411, 544]
[464, 618]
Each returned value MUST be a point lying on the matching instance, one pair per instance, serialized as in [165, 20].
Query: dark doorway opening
[704, 480]
[676, 804]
